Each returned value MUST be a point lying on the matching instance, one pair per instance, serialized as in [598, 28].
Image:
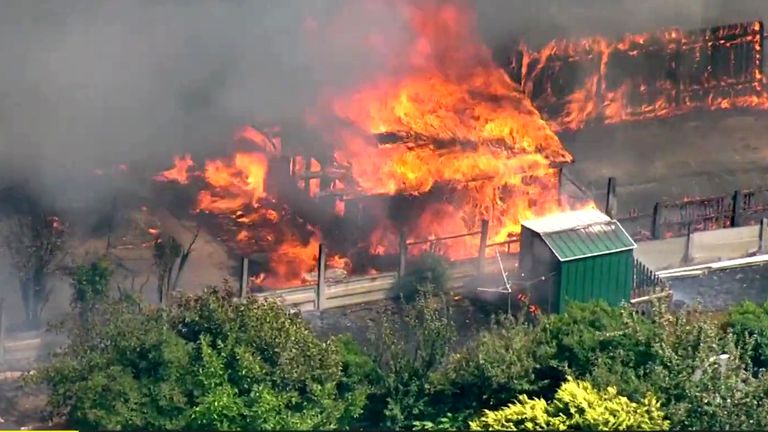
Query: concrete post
[688, 257]
[610, 199]
[320, 290]
[244, 280]
[483, 244]
[403, 254]
[761, 236]
[656, 222]
[738, 203]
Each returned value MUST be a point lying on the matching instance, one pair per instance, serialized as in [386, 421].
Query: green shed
[578, 256]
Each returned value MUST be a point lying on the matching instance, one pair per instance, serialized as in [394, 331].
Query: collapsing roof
[581, 233]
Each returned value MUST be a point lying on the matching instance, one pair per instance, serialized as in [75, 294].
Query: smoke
[538, 22]
[88, 84]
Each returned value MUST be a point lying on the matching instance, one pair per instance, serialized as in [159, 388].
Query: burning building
[449, 139]
[432, 150]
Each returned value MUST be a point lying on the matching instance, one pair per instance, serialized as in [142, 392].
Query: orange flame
[179, 172]
[608, 95]
[449, 118]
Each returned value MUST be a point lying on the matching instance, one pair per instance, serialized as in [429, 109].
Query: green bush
[503, 362]
[749, 323]
[207, 363]
[426, 270]
[576, 406]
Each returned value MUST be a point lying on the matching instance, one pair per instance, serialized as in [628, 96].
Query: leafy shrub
[90, 287]
[749, 323]
[407, 353]
[427, 270]
[576, 406]
[207, 363]
[503, 362]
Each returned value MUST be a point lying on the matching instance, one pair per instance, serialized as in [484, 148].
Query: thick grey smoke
[86, 84]
[541, 21]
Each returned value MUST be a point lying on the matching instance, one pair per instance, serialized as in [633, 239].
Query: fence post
[738, 203]
[611, 206]
[403, 254]
[483, 244]
[761, 236]
[2, 330]
[688, 257]
[656, 222]
[320, 290]
[244, 282]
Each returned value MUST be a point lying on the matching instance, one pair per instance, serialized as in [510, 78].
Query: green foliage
[749, 323]
[90, 287]
[207, 363]
[576, 406]
[406, 356]
[428, 269]
[501, 363]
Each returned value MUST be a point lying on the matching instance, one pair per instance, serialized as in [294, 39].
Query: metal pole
[320, 291]
[761, 236]
[483, 244]
[244, 282]
[403, 254]
[610, 198]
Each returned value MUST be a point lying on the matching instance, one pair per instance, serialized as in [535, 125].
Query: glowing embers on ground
[643, 76]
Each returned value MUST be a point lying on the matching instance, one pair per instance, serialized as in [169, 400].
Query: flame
[642, 76]
[446, 126]
[236, 183]
[179, 172]
[456, 119]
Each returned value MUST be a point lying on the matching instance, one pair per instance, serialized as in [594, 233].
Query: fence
[648, 288]
[361, 289]
[675, 219]
[658, 72]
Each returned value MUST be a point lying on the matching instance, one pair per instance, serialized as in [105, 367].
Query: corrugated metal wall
[607, 277]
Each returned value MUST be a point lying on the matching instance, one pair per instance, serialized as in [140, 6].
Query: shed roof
[581, 234]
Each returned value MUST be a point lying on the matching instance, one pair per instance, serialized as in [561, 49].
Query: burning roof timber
[642, 76]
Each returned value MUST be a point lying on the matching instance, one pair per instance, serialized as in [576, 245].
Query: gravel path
[719, 290]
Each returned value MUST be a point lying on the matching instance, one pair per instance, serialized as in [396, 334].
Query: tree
[90, 288]
[209, 362]
[35, 242]
[576, 406]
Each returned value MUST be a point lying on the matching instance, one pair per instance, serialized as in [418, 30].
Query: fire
[179, 172]
[235, 183]
[452, 118]
[643, 76]
[448, 127]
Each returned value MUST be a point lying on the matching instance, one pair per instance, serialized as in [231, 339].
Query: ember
[451, 133]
